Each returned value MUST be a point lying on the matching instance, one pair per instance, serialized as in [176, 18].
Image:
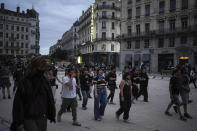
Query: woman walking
[100, 95]
[126, 97]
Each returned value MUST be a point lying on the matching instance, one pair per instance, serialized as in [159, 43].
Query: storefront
[128, 60]
[137, 60]
[165, 61]
[146, 61]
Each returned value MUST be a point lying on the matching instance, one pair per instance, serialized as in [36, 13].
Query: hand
[122, 99]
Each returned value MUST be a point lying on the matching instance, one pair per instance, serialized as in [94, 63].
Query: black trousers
[143, 91]
[135, 91]
[124, 108]
[79, 93]
[111, 94]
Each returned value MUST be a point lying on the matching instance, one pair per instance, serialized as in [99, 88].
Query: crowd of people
[36, 84]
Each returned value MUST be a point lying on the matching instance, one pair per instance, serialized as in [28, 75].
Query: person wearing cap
[33, 102]
[100, 95]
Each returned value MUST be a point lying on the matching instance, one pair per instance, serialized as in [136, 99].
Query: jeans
[100, 103]
[85, 97]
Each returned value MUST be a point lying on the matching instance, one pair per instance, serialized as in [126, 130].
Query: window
[128, 44]
[146, 43]
[104, 25]
[195, 20]
[12, 27]
[160, 43]
[171, 42]
[104, 13]
[129, 31]
[26, 45]
[113, 15]
[104, 3]
[184, 40]
[1, 43]
[1, 34]
[26, 51]
[22, 29]
[7, 51]
[1, 51]
[195, 4]
[184, 4]
[138, 29]
[129, 13]
[12, 51]
[7, 27]
[147, 8]
[113, 5]
[12, 44]
[112, 47]
[12, 35]
[22, 52]
[113, 25]
[103, 35]
[129, 1]
[17, 36]
[112, 36]
[172, 25]
[172, 5]
[195, 41]
[184, 22]
[17, 28]
[17, 51]
[27, 37]
[7, 35]
[147, 27]
[7, 44]
[1, 26]
[22, 45]
[161, 6]
[27, 29]
[17, 44]
[138, 12]
[137, 44]
[161, 26]
[22, 36]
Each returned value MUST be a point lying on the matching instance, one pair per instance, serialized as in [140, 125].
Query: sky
[56, 17]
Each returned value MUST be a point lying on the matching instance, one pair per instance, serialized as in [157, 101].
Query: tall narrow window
[113, 14]
[161, 26]
[161, 6]
[172, 25]
[147, 27]
[103, 35]
[146, 43]
[112, 47]
[160, 42]
[128, 44]
[171, 41]
[129, 31]
[113, 25]
[195, 20]
[184, 4]
[129, 1]
[104, 25]
[138, 29]
[184, 22]
[138, 12]
[147, 8]
[137, 44]
[172, 5]
[112, 36]
[184, 40]
[1, 26]
[129, 13]
[104, 13]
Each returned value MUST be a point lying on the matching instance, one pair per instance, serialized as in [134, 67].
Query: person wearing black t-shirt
[112, 84]
[174, 88]
[135, 82]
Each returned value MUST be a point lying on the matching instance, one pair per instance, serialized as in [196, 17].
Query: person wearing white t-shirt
[69, 96]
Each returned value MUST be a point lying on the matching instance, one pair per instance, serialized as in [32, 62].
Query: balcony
[35, 47]
[107, 17]
[99, 7]
[11, 47]
[137, 35]
[104, 39]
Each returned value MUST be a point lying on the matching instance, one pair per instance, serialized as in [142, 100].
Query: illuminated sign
[79, 59]
[184, 58]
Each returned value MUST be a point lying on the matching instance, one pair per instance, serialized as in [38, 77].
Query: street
[143, 116]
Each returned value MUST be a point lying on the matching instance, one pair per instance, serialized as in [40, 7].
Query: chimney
[18, 9]
[2, 6]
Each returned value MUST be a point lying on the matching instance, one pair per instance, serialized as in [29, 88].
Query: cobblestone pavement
[143, 116]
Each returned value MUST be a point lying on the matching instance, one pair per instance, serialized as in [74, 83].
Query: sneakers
[98, 119]
[75, 123]
[126, 121]
[58, 118]
[112, 103]
[187, 115]
[175, 109]
[84, 108]
[168, 113]
[182, 118]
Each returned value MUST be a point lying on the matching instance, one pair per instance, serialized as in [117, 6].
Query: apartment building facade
[158, 33]
[19, 32]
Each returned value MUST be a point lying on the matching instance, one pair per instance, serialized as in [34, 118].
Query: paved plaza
[143, 116]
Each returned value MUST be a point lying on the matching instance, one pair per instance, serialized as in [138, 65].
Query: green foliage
[60, 55]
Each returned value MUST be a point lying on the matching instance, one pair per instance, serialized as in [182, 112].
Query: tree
[60, 55]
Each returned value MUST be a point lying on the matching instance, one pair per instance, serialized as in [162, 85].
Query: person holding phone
[69, 96]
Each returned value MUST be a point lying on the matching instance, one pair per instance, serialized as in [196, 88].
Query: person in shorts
[174, 89]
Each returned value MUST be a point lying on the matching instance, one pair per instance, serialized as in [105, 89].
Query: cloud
[56, 17]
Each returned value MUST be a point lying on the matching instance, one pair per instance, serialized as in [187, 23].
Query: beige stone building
[158, 33]
[98, 28]
[19, 32]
